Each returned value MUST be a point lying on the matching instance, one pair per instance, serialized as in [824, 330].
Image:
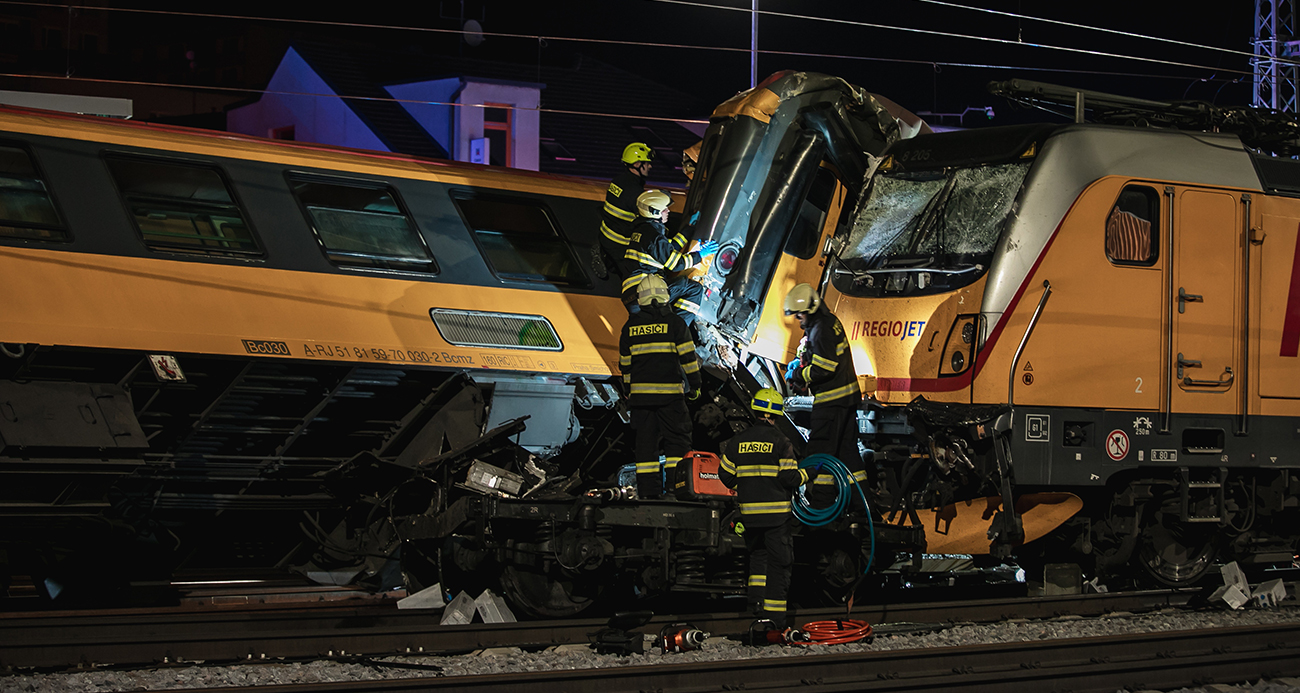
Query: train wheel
[547, 597]
[832, 563]
[1173, 552]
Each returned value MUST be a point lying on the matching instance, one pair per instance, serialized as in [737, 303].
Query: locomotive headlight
[726, 259]
[958, 361]
[968, 333]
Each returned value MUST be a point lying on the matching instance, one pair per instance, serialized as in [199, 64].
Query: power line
[271, 92]
[990, 66]
[949, 34]
[646, 44]
[1076, 25]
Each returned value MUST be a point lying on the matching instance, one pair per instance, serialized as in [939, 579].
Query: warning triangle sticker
[1028, 366]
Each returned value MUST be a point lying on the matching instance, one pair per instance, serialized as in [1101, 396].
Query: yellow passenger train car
[197, 327]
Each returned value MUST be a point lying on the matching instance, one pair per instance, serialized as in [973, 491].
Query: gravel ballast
[575, 657]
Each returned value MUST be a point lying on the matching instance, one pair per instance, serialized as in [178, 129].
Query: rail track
[136, 637]
[1133, 662]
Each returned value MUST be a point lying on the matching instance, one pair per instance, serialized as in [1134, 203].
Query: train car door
[1204, 302]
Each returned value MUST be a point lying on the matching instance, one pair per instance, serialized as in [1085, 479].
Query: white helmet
[652, 203]
[652, 289]
[802, 299]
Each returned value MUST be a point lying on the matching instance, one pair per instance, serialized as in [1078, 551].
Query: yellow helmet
[768, 401]
[652, 289]
[638, 151]
[652, 203]
[802, 299]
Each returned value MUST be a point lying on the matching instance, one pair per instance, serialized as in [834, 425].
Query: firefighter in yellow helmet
[651, 252]
[760, 464]
[620, 201]
[825, 367]
[657, 358]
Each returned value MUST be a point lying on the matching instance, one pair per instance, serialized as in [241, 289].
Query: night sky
[923, 72]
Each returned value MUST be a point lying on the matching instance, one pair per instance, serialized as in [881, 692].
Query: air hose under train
[844, 481]
[840, 630]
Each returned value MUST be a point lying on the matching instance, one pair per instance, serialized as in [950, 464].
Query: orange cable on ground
[837, 632]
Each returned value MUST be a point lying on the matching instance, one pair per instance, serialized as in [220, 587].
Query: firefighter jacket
[759, 463]
[827, 365]
[657, 357]
[620, 206]
[651, 251]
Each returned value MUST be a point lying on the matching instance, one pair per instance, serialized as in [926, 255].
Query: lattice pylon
[1274, 66]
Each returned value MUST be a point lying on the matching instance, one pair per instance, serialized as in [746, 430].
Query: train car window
[26, 209]
[807, 232]
[363, 226]
[183, 207]
[520, 239]
[1133, 227]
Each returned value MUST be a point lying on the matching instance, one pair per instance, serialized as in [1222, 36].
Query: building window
[363, 226]
[520, 239]
[183, 207]
[26, 210]
[53, 39]
[89, 44]
[496, 129]
[1133, 227]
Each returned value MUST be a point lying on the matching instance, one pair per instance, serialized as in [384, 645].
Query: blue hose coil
[820, 517]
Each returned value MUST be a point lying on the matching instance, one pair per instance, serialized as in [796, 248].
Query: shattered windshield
[945, 223]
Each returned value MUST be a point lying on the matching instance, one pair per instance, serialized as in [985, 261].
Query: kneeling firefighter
[760, 464]
[651, 252]
[657, 357]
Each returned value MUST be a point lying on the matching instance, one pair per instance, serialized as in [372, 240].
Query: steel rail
[1161, 660]
[149, 636]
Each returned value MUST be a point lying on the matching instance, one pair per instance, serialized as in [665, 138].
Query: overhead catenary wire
[541, 38]
[949, 34]
[1114, 32]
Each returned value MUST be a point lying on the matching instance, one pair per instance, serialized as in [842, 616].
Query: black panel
[968, 148]
[1278, 175]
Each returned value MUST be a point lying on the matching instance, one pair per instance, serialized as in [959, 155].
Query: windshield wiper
[902, 270]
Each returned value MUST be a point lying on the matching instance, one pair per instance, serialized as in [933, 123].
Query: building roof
[387, 119]
[590, 110]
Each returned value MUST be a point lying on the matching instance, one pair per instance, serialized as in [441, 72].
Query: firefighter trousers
[662, 428]
[771, 554]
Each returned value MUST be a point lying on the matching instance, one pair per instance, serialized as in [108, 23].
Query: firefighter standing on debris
[651, 252]
[759, 463]
[657, 357]
[619, 213]
[825, 367]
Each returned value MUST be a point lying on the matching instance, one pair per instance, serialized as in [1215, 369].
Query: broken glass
[945, 221]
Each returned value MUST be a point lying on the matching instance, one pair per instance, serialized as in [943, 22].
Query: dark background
[205, 63]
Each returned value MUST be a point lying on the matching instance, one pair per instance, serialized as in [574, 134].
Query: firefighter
[657, 357]
[825, 367]
[759, 463]
[651, 252]
[619, 213]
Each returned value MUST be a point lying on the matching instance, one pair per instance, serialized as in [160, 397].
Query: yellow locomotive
[1084, 332]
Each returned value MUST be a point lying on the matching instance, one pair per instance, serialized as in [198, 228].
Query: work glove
[708, 248]
[790, 369]
[695, 394]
